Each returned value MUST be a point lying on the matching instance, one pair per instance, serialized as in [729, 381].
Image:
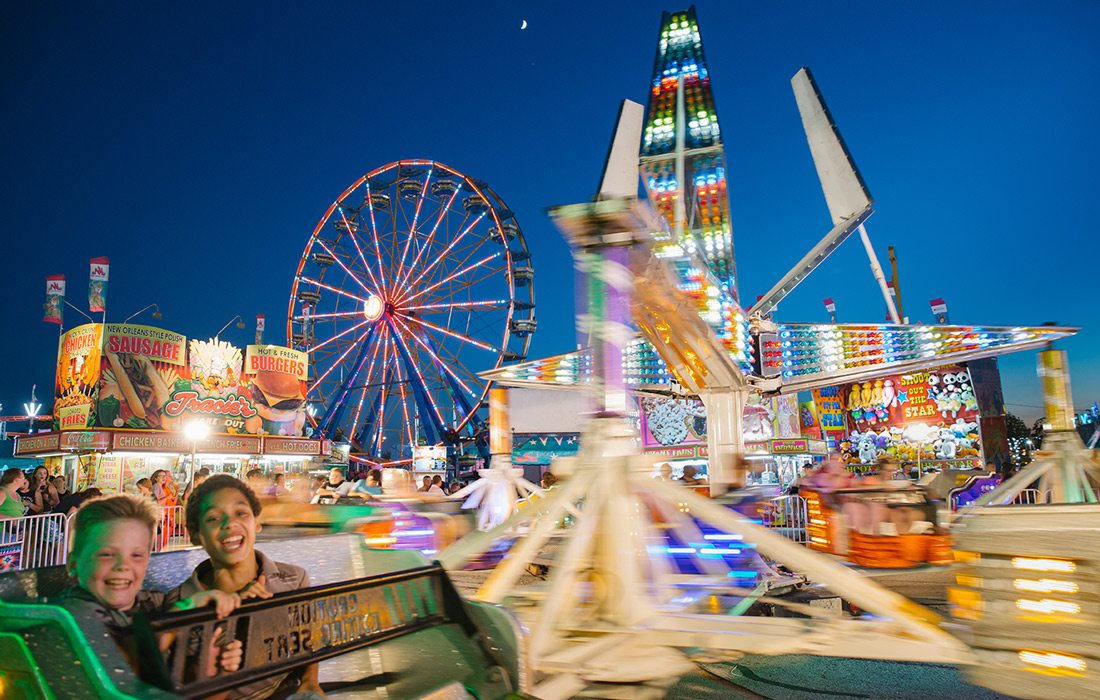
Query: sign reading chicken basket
[143, 378]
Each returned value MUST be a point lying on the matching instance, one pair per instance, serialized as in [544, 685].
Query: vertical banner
[259, 329]
[97, 285]
[76, 386]
[55, 299]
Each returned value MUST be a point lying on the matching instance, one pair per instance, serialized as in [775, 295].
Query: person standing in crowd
[257, 481]
[664, 473]
[200, 475]
[162, 491]
[60, 486]
[144, 487]
[71, 502]
[548, 480]
[39, 496]
[11, 505]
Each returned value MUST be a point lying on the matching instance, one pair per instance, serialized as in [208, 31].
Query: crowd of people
[38, 493]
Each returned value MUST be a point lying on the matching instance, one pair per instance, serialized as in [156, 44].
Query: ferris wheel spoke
[339, 335]
[445, 307]
[337, 290]
[454, 334]
[431, 237]
[452, 276]
[374, 235]
[443, 255]
[333, 416]
[367, 381]
[337, 314]
[340, 262]
[420, 387]
[401, 382]
[355, 241]
[444, 369]
[334, 365]
[412, 228]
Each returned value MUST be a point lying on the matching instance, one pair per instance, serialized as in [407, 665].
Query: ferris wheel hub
[373, 308]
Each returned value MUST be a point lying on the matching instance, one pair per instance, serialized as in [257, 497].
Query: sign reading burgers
[275, 378]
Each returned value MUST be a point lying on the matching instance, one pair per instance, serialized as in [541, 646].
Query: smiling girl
[222, 517]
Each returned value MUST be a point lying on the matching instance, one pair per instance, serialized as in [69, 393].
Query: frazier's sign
[234, 405]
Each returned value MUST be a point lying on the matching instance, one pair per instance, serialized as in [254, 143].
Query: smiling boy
[111, 544]
[222, 518]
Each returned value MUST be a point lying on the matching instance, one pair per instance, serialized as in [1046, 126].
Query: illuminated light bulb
[1045, 585]
[1042, 564]
[1052, 659]
[1048, 606]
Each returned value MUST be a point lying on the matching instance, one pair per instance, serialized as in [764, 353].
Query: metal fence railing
[171, 533]
[36, 541]
[33, 541]
[787, 516]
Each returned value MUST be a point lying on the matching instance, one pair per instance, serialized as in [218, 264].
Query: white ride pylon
[495, 493]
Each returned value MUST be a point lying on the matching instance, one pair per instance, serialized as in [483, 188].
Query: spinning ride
[415, 279]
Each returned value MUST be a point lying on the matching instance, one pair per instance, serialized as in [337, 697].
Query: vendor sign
[275, 380]
[932, 413]
[141, 368]
[76, 383]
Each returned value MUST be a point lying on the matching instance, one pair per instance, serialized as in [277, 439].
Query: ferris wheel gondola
[416, 279]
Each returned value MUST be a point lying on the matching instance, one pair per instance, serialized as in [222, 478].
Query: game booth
[941, 426]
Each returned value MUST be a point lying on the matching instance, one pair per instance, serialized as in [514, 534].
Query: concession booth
[127, 396]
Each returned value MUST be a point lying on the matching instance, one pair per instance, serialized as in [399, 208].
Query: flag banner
[55, 299]
[259, 329]
[97, 285]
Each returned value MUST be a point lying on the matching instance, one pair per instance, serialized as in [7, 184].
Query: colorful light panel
[707, 231]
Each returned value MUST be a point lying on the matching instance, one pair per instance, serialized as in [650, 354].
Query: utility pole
[894, 280]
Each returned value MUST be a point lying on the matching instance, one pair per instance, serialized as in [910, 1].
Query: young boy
[222, 518]
[111, 543]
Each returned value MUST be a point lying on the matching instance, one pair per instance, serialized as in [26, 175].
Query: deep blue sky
[197, 144]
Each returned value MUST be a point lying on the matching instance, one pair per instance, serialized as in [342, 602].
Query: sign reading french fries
[146, 378]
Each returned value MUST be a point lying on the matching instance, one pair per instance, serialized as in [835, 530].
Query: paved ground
[797, 677]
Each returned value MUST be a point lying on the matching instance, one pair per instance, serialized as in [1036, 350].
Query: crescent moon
[523, 25]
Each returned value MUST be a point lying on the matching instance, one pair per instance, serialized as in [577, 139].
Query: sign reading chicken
[78, 359]
[141, 368]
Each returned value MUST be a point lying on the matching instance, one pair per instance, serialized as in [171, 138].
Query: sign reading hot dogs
[273, 358]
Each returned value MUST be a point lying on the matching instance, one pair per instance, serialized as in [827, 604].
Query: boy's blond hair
[123, 506]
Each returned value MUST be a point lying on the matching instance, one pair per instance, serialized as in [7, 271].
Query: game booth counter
[778, 443]
[125, 393]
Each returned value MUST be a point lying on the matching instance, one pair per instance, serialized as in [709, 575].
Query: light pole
[194, 430]
[237, 318]
[156, 312]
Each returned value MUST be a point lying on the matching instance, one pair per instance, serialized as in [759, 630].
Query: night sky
[197, 144]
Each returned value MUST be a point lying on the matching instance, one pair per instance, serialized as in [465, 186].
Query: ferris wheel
[416, 279]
